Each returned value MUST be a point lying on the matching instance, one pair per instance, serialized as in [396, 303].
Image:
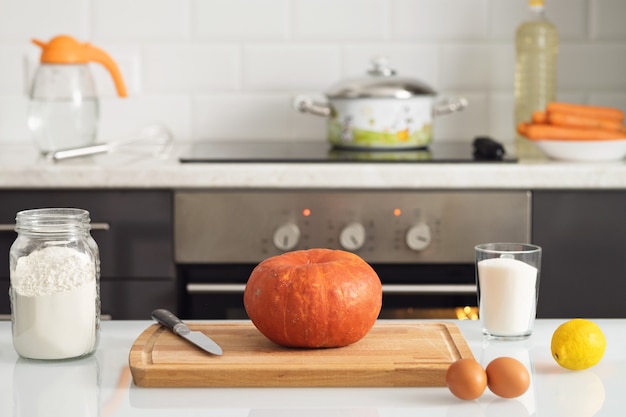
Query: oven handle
[430, 289]
[215, 288]
[387, 289]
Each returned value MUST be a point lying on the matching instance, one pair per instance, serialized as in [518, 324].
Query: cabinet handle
[101, 226]
[8, 227]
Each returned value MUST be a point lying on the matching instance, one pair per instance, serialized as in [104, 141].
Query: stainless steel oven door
[421, 243]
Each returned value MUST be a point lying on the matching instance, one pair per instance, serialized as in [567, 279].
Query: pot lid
[381, 82]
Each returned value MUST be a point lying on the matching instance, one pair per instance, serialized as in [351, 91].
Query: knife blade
[176, 325]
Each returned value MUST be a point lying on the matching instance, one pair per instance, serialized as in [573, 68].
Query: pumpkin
[315, 298]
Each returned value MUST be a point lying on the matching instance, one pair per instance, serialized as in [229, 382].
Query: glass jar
[55, 284]
[64, 108]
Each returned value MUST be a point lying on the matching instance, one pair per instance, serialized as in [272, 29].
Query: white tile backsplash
[290, 67]
[173, 111]
[500, 115]
[340, 20]
[592, 66]
[252, 117]
[456, 126]
[21, 20]
[571, 18]
[190, 68]
[437, 20]
[228, 69]
[246, 20]
[477, 65]
[12, 69]
[608, 19]
[140, 20]
[13, 110]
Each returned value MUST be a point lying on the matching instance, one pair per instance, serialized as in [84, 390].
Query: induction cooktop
[480, 150]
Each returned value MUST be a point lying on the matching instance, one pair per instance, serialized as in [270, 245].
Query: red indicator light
[397, 212]
[306, 212]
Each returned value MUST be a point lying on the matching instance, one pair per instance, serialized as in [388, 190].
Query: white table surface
[101, 385]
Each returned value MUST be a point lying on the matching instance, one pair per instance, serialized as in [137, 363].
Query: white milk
[507, 296]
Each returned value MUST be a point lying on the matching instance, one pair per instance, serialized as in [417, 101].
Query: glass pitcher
[64, 107]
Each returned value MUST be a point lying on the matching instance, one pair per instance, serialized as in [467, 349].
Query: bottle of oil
[536, 47]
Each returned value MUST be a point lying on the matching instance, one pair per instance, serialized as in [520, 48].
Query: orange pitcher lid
[64, 49]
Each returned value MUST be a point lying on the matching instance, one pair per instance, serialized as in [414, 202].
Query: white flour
[53, 293]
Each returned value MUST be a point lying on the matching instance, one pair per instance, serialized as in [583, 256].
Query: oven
[420, 243]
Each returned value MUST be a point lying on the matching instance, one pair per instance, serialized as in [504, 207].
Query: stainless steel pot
[381, 111]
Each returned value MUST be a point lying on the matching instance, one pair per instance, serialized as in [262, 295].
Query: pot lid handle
[380, 67]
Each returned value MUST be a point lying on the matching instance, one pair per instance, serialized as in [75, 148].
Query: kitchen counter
[22, 168]
[101, 385]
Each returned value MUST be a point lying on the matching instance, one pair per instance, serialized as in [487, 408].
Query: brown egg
[507, 377]
[466, 379]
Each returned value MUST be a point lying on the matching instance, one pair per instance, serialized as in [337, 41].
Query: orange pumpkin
[316, 298]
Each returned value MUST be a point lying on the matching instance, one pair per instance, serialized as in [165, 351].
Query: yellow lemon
[578, 344]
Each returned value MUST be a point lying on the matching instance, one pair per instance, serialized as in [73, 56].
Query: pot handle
[450, 105]
[306, 104]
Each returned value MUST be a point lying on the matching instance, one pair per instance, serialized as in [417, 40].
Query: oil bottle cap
[536, 3]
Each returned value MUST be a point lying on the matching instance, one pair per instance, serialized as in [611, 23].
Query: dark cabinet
[133, 229]
[583, 235]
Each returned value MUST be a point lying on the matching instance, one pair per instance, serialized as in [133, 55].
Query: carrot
[586, 110]
[539, 116]
[522, 127]
[576, 120]
[535, 131]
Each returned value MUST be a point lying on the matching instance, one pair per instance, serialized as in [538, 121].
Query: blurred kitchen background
[227, 69]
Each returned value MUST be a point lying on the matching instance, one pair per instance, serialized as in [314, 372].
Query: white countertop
[22, 168]
[101, 386]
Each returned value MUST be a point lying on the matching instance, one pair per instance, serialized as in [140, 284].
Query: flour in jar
[54, 304]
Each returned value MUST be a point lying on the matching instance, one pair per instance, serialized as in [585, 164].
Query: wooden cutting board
[395, 354]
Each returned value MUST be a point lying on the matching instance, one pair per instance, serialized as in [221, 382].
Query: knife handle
[169, 320]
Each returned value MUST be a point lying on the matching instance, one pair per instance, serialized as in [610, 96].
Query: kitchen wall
[226, 69]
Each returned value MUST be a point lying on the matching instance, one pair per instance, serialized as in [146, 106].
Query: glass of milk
[507, 277]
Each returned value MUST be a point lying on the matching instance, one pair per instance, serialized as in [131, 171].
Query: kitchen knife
[169, 320]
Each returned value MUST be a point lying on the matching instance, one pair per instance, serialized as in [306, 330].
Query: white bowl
[583, 150]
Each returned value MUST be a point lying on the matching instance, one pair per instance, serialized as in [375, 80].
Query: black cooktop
[480, 150]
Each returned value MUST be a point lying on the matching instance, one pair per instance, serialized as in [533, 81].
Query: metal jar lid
[381, 82]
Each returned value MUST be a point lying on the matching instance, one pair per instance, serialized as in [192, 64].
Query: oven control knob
[286, 237]
[352, 237]
[418, 237]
